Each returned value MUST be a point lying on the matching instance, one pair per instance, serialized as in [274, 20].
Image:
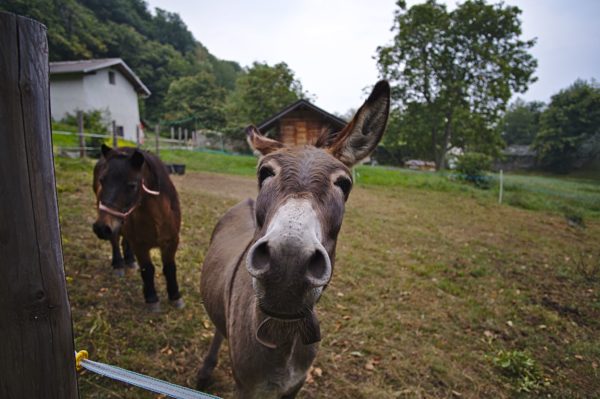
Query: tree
[569, 133]
[196, 99]
[521, 122]
[457, 64]
[261, 91]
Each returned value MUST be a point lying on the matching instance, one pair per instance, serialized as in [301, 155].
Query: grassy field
[438, 290]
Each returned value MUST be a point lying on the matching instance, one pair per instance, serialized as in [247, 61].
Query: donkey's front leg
[170, 272]
[203, 378]
[128, 254]
[147, 271]
[117, 260]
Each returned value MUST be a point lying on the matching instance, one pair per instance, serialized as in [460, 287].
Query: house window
[111, 77]
[120, 131]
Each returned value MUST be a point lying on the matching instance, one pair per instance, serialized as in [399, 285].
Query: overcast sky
[330, 44]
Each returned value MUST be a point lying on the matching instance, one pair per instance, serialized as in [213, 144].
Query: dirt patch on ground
[229, 186]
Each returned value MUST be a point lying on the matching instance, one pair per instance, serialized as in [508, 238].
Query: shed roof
[89, 66]
[335, 121]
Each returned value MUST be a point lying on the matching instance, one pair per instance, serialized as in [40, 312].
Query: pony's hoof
[178, 303]
[153, 307]
[132, 266]
[119, 272]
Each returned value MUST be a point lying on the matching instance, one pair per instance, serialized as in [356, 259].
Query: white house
[106, 84]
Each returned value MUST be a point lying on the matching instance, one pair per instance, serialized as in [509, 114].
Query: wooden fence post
[157, 131]
[137, 136]
[80, 132]
[36, 349]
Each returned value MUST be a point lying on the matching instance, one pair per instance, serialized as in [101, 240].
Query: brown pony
[269, 260]
[137, 199]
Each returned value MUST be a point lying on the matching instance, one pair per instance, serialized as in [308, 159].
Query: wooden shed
[300, 123]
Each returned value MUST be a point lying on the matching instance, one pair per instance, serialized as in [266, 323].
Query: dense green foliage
[569, 133]
[260, 92]
[196, 99]
[453, 73]
[159, 48]
[521, 122]
[472, 166]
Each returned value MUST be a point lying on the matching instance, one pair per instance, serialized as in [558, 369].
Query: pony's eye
[345, 185]
[264, 173]
[132, 185]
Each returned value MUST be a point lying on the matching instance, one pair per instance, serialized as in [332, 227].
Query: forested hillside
[157, 46]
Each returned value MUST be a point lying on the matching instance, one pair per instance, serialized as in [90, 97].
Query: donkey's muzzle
[102, 231]
[289, 257]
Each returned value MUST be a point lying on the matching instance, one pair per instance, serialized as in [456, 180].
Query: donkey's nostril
[259, 259]
[318, 271]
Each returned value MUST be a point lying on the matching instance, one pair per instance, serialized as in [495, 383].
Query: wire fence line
[71, 142]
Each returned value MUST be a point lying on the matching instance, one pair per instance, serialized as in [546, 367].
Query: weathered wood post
[172, 132]
[80, 132]
[137, 136]
[157, 131]
[114, 134]
[36, 348]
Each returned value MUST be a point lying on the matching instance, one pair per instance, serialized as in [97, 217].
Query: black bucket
[176, 168]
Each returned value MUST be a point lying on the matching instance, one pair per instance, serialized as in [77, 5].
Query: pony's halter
[123, 215]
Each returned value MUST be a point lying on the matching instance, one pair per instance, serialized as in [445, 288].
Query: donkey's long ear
[260, 143]
[360, 137]
[105, 150]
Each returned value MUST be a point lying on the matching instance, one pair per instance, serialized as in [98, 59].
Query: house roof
[302, 103]
[89, 66]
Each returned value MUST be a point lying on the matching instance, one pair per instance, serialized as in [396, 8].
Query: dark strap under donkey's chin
[273, 332]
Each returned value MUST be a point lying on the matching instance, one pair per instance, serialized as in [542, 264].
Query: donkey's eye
[132, 185]
[345, 185]
[264, 173]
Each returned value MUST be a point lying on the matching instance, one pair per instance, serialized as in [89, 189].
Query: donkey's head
[118, 188]
[300, 206]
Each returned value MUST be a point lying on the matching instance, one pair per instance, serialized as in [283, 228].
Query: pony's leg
[147, 271]
[117, 259]
[203, 378]
[170, 272]
[128, 254]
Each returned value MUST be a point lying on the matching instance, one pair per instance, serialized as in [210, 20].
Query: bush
[472, 168]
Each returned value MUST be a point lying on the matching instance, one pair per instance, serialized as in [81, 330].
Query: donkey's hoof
[119, 272]
[132, 266]
[178, 303]
[153, 307]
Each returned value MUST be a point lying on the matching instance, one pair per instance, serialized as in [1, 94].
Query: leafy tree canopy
[261, 91]
[569, 133]
[198, 100]
[448, 65]
[521, 122]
